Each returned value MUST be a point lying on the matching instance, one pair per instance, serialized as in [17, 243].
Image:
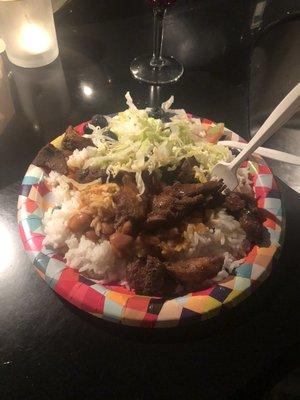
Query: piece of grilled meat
[72, 140]
[148, 276]
[244, 208]
[89, 175]
[176, 201]
[129, 206]
[51, 157]
[151, 277]
[186, 172]
[191, 273]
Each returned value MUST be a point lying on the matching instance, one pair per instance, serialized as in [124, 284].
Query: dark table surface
[238, 65]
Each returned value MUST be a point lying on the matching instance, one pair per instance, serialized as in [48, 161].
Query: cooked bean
[121, 241]
[107, 229]
[79, 222]
[127, 228]
[91, 234]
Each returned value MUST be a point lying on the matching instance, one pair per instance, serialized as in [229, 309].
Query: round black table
[240, 58]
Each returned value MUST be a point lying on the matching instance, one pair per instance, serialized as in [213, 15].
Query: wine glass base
[169, 72]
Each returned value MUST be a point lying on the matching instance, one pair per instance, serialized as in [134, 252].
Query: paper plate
[118, 304]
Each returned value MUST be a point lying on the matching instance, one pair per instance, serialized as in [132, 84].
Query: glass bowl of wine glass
[155, 68]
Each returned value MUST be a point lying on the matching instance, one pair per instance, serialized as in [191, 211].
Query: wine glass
[157, 69]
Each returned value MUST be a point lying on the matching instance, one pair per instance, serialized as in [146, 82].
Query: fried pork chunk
[89, 175]
[129, 206]
[244, 208]
[148, 276]
[72, 141]
[178, 200]
[51, 157]
[194, 271]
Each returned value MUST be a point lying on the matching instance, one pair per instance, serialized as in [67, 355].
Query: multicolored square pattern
[116, 303]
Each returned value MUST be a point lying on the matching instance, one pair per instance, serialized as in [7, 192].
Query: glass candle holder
[27, 28]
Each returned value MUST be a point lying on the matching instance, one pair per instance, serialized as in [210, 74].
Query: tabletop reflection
[6, 248]
[7, 109]
[43, 96]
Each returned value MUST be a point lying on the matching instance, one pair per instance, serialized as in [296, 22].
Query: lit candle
[28, 30]
[34, 39]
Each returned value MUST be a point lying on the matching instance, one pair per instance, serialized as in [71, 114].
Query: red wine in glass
[157, 69]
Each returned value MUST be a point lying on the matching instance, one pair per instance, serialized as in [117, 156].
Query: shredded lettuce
[147, 144]
[167, 104]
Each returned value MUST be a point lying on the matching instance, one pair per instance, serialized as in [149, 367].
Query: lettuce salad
[147, 144]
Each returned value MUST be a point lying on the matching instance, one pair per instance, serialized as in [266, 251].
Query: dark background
[237, 68]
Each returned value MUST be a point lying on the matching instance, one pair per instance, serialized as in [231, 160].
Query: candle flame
[34, 39]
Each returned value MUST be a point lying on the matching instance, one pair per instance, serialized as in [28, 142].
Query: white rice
[79, 157]
[60, 188]
[55, 219]
[55, 223]
[83, 254]
[224, 237]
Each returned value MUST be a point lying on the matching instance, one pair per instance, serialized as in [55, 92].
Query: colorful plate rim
[117, 304]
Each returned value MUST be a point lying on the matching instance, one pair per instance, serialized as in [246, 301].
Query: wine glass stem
[156, 110]
[158, 13]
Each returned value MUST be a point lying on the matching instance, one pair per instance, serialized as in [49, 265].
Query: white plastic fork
[282, 113]
[264, 151]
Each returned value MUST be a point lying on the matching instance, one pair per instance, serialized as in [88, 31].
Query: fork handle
[282, 113]
[265, 152]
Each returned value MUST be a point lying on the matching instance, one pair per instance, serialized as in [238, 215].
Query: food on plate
[134, 203]
[51, 158]
[73, 141]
